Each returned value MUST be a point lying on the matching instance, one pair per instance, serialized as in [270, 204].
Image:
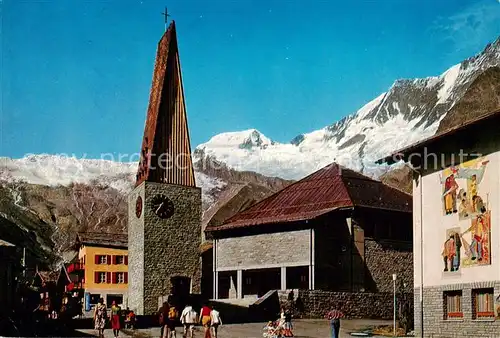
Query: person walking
[205, 320]
[334, 317]
[172, 317]
[188, 319]
[215, 321]
[288, 324]
[115, 319]
[163, 319]
[100, 316]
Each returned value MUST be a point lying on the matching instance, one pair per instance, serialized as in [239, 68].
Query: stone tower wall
[170, 246]
[135, 252]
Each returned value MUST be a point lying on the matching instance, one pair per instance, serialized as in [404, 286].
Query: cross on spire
[166, 15]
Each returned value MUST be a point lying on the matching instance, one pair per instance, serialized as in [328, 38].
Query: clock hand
[159, 207]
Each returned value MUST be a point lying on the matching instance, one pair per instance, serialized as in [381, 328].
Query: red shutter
[96, 259]
[114, 276]
[114, 260]
[126, 260]
[108, 259]
[96, 277]
[108, 277]
[125, 277]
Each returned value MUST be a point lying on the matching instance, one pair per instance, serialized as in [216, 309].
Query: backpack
[172, 313]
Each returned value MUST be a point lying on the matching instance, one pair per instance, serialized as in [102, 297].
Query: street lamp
[394, 277]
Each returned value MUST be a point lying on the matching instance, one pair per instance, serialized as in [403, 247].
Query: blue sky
[76, 75]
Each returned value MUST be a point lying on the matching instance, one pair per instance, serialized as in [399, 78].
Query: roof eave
[402, 154]
[231, 226]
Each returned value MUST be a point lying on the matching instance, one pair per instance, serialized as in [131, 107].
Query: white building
[456, 230]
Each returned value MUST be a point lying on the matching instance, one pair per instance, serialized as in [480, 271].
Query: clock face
[138, 207]
[162, 206]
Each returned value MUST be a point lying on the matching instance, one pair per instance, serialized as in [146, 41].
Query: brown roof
[416, 147]
[49, 276]
[166, 130]
[103, 239]
[330, 188]
[5, 243]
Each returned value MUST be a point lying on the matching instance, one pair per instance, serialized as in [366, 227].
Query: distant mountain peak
[411, 109]
[246, 139]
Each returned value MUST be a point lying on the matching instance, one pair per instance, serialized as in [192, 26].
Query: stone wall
[263, 250]
[315, 304]
[135, 253]
[382, 259]
[170, 246]
[435, 324]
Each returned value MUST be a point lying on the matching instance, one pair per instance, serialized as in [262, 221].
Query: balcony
[74, 267]
[74, 286]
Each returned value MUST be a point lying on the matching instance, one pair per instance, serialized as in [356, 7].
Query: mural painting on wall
[469, 243]
[497, 307]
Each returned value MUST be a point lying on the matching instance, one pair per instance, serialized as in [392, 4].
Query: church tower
[164, 209]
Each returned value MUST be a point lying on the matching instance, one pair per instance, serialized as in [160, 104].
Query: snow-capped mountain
[55, 170]
[45, 199]
[409, 111]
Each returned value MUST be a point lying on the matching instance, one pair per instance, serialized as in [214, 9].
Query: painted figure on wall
[469, 243]
[461, 186]
[478, 251]
[451, 250]
[450, 194]
[465, 207]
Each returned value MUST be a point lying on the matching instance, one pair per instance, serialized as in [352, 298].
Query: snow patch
[54, 170]
[449, 79]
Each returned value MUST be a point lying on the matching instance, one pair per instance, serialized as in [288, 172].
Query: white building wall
[436, 223]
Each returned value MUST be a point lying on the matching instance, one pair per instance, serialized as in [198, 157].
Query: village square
[336, 252]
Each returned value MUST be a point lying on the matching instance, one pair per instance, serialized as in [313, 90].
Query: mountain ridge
[410, 110]
[46, 199]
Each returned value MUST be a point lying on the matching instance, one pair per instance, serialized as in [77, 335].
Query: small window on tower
[102, 277]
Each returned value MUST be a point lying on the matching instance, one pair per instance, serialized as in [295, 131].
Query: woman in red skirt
[115, 319]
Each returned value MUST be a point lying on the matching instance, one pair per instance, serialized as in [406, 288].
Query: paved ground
[302, 329]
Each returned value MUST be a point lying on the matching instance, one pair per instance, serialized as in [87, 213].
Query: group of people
[280, 328]
[117, 316]
[283, 326]
[209, 317]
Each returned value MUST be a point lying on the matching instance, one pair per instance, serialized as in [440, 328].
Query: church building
[334, 230]
[456, 193]
[164, 216]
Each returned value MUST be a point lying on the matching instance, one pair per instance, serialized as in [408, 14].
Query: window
[248, 281]
[453, 305]
[101, 259]
[119, 259]
[482, 303]
[94, 298]
[102, 277]
[117, 298]
[120, 277]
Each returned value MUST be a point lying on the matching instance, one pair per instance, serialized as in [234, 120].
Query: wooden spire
[166, 148]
